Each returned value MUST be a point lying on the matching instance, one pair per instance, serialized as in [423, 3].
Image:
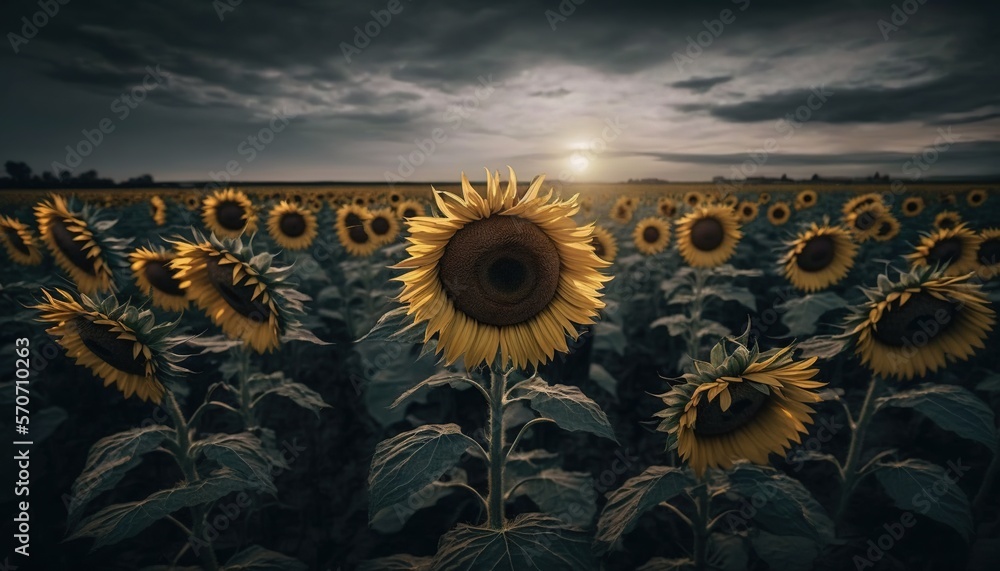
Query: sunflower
[158, 210]
[242, 293]
[667, 207]
[154, 277]
[229, 213]
[383, 226]
[707, 236]
[976, 197]
[293, 227]
[861, 201]
[621, 211]
[988, 255]
[919, 323]
[913, 206]
[746, 211]
[806, 199]
[19, 242]
[498, 272]
[360, 201]
[947, 220]
[764, 198]
[779, 213]
[694, 198]
[192, 202]
[395, 198]
[314, 204]
[954, 250]
[651, 235]
[744, 404]
[819, 257]
[410, 208]
[863, 221]
[731, 201]
[887, 228]
[629, 201]
[118, 343]
[352, 230]
[604, 244]
[72, 239]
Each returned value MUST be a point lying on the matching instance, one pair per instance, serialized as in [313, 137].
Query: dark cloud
[701, 84]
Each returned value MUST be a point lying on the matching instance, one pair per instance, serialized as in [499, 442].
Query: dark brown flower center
[106, 346]
[161, 277]
[947, 223]
[230, 215]
[923, 318]
[865, 220]
[945, 251]
[598, 246]
[778, 213]
[747, 211]
[818, 253]
[651, 234]
[380, 225]
[394, 197]
[977, 197]
[72, 249]
[409, 212]
[746, 403]
[885, 228]
[292, 224]
[912, 206]
[352, 220]
[989, 252]
[707, 234]
[807, 198]
[14, 238]
[500, 270]
[237, 296]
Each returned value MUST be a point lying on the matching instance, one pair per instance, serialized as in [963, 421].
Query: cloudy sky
[595, 91]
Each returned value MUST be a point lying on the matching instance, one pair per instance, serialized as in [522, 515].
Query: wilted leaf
[567, 406]
[637, 496]
[395, 325]
[256, 558]
[779, 504]
[950, 407]
[928, 489]
[801, 314]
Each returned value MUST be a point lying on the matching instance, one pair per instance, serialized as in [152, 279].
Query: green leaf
[604, 379]
[727, 553]
[438, 379]
[531, 541]
[928, 489]
[393, 518]
[786, 506]
[277, 384]
[570, 496]
[822, 346]
[388, 372]
[952, 408]
[609, 337]
[991, 384]
[730, 293]
[567, 406]
[401, 562]
[785, 552]
[520, 465]
[243, 453]
[407, 462]
[676, 324]
[801, 314]
[256, 558]
[108, 461]
[712, 329]
[122, 521]
[637, 496]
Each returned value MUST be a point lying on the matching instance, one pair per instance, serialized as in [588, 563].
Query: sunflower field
[500, 375]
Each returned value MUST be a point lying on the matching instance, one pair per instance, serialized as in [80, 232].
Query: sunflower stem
[495, 511]
[694, 313]
[246, 402]
[850, 473]
[700, 527]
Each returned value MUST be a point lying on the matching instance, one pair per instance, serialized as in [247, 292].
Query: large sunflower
[604, 243]
[976, 197]
[988, 256]
[806, 199]
[352, 230]
[229, 213]
[158, 210]
[651, 235]
[955, 250]
[74, 243]
[912, 206]
[707, 236]
[947, 220]
[779, 213]
[919, 323]
[746, 211]
[154, 277]
[19, 242]
[292, 226]
[744, 404]
[410, 208]
[242, 293]
[383, 226]
[621, 210]
[118, 343]
[499, 272]
[819, 257]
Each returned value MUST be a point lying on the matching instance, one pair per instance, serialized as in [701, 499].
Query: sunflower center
[293, 224]
[818, 253]
[500, 270]
[71, 248]
[106, 346]
[651, 234]
[712, 420]
[161, 277]
[707, 234]
[230, 215]
[747, 211]
[409, 213]
[598, 246]
[945, 251]
[911, 206]
[15, 240]
[380, 225]
[352, 220]
[947, 223]
[238, 297]
[884, 228]
[778, 213]
[922, 317]
[357, 235]
[989, 252]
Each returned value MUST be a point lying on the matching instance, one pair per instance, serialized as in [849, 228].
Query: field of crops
[504, 376]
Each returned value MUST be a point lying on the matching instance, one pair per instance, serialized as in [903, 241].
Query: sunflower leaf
[786, 506]
[530, 541]
[785, 552]
[408, 462]
[603, 379]
[635, 497]
[951, 407]
[822, 346]
[729, 293]
[243, 453]
[570, 496]
[438, 379]
[929, 489]
[801, 314]
[609, 336]
[299, 394]
[400, 562]
[393, 518]
[676, 324]
[256, 558]
[567, 406]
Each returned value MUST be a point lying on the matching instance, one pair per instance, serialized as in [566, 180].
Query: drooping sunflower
[947, 220]
[621, 210]
[779, 213]
[158, 210]
[861, 201]
[73, 238]
[243, 294]
[155, 278]
[976, 197]
[919, 323]
[651, 235]
[604, 244]
[954, 250]
[352, 230]
[806, 199]
[118, 343]
[501, 273]
[863, 220]
[694, 198]
[19, 242]
[292, 226]
[887, 228]
[383, 226]
[744, 404]
[988, 255]
[747, 211]
[667, 207]
[229, 213]
[912, 206]
[764, 198]
[707, 236]
[410, 208]
[819, 257]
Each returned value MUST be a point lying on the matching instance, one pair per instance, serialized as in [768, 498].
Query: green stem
[695, 309]
[849, 475]
[700, 527]
[495, 513]
[244, 388]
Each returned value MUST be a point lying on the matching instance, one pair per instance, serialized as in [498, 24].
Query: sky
[580, 90]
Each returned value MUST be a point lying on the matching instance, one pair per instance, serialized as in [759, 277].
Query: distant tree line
[20, 175]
